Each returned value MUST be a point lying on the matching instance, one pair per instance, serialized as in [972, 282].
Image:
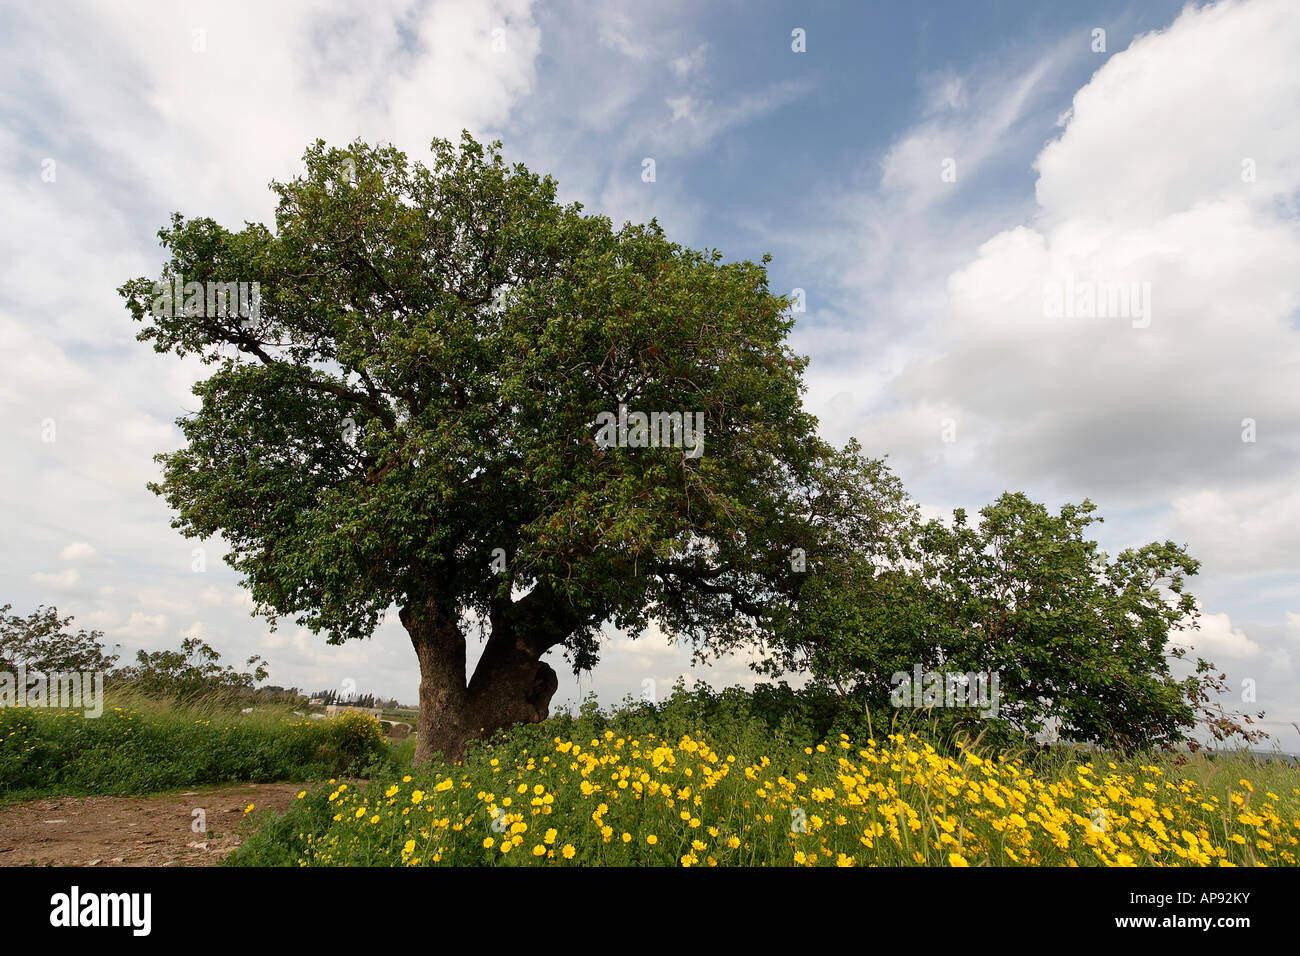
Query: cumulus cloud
[876, 257]
[1133, 404]
[80, 552]
[1249, 528]
[1216, 638]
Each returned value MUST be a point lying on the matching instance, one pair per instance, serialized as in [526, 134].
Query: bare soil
[153, 830]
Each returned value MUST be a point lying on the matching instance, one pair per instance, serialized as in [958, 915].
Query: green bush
[353, 744]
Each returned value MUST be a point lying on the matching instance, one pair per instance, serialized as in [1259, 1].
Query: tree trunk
[511, 684]
[440, 649]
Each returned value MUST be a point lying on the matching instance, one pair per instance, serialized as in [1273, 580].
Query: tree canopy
[1082, 643]
[418, 391]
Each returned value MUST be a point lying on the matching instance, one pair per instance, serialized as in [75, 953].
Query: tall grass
[141, 744]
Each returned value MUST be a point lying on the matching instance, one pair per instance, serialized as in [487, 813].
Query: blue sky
[924, 295]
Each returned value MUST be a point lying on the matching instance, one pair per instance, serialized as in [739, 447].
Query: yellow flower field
[619, 800]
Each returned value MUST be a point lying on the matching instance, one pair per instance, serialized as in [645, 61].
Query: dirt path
[154, 830]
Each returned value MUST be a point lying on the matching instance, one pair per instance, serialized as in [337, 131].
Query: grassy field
[140, 745]
[663, 787]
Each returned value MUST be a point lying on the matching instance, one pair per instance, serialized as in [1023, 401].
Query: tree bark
[511, 683]
[440, 649]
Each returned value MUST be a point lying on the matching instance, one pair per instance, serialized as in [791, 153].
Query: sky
[924, 173]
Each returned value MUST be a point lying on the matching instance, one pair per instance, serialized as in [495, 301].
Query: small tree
[1074, 636]
[44, 642]
[192, 673]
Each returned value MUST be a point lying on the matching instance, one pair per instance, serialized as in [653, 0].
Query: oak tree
[413, 377]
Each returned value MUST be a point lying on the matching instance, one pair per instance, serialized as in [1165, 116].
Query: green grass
[401, 752]
[142, 745]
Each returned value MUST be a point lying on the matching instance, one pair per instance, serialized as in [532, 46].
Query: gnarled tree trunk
[511, 683]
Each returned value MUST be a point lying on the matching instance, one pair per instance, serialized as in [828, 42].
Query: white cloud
[613, 29]
[176, 598]
[1244, 529]
[695, 123]
[140, 628]
[1164, 126]
[60, 581]
[911, 169]
[1217, 638]
[682, 107]
[80, 552]
[690, 63]
[944, 91]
